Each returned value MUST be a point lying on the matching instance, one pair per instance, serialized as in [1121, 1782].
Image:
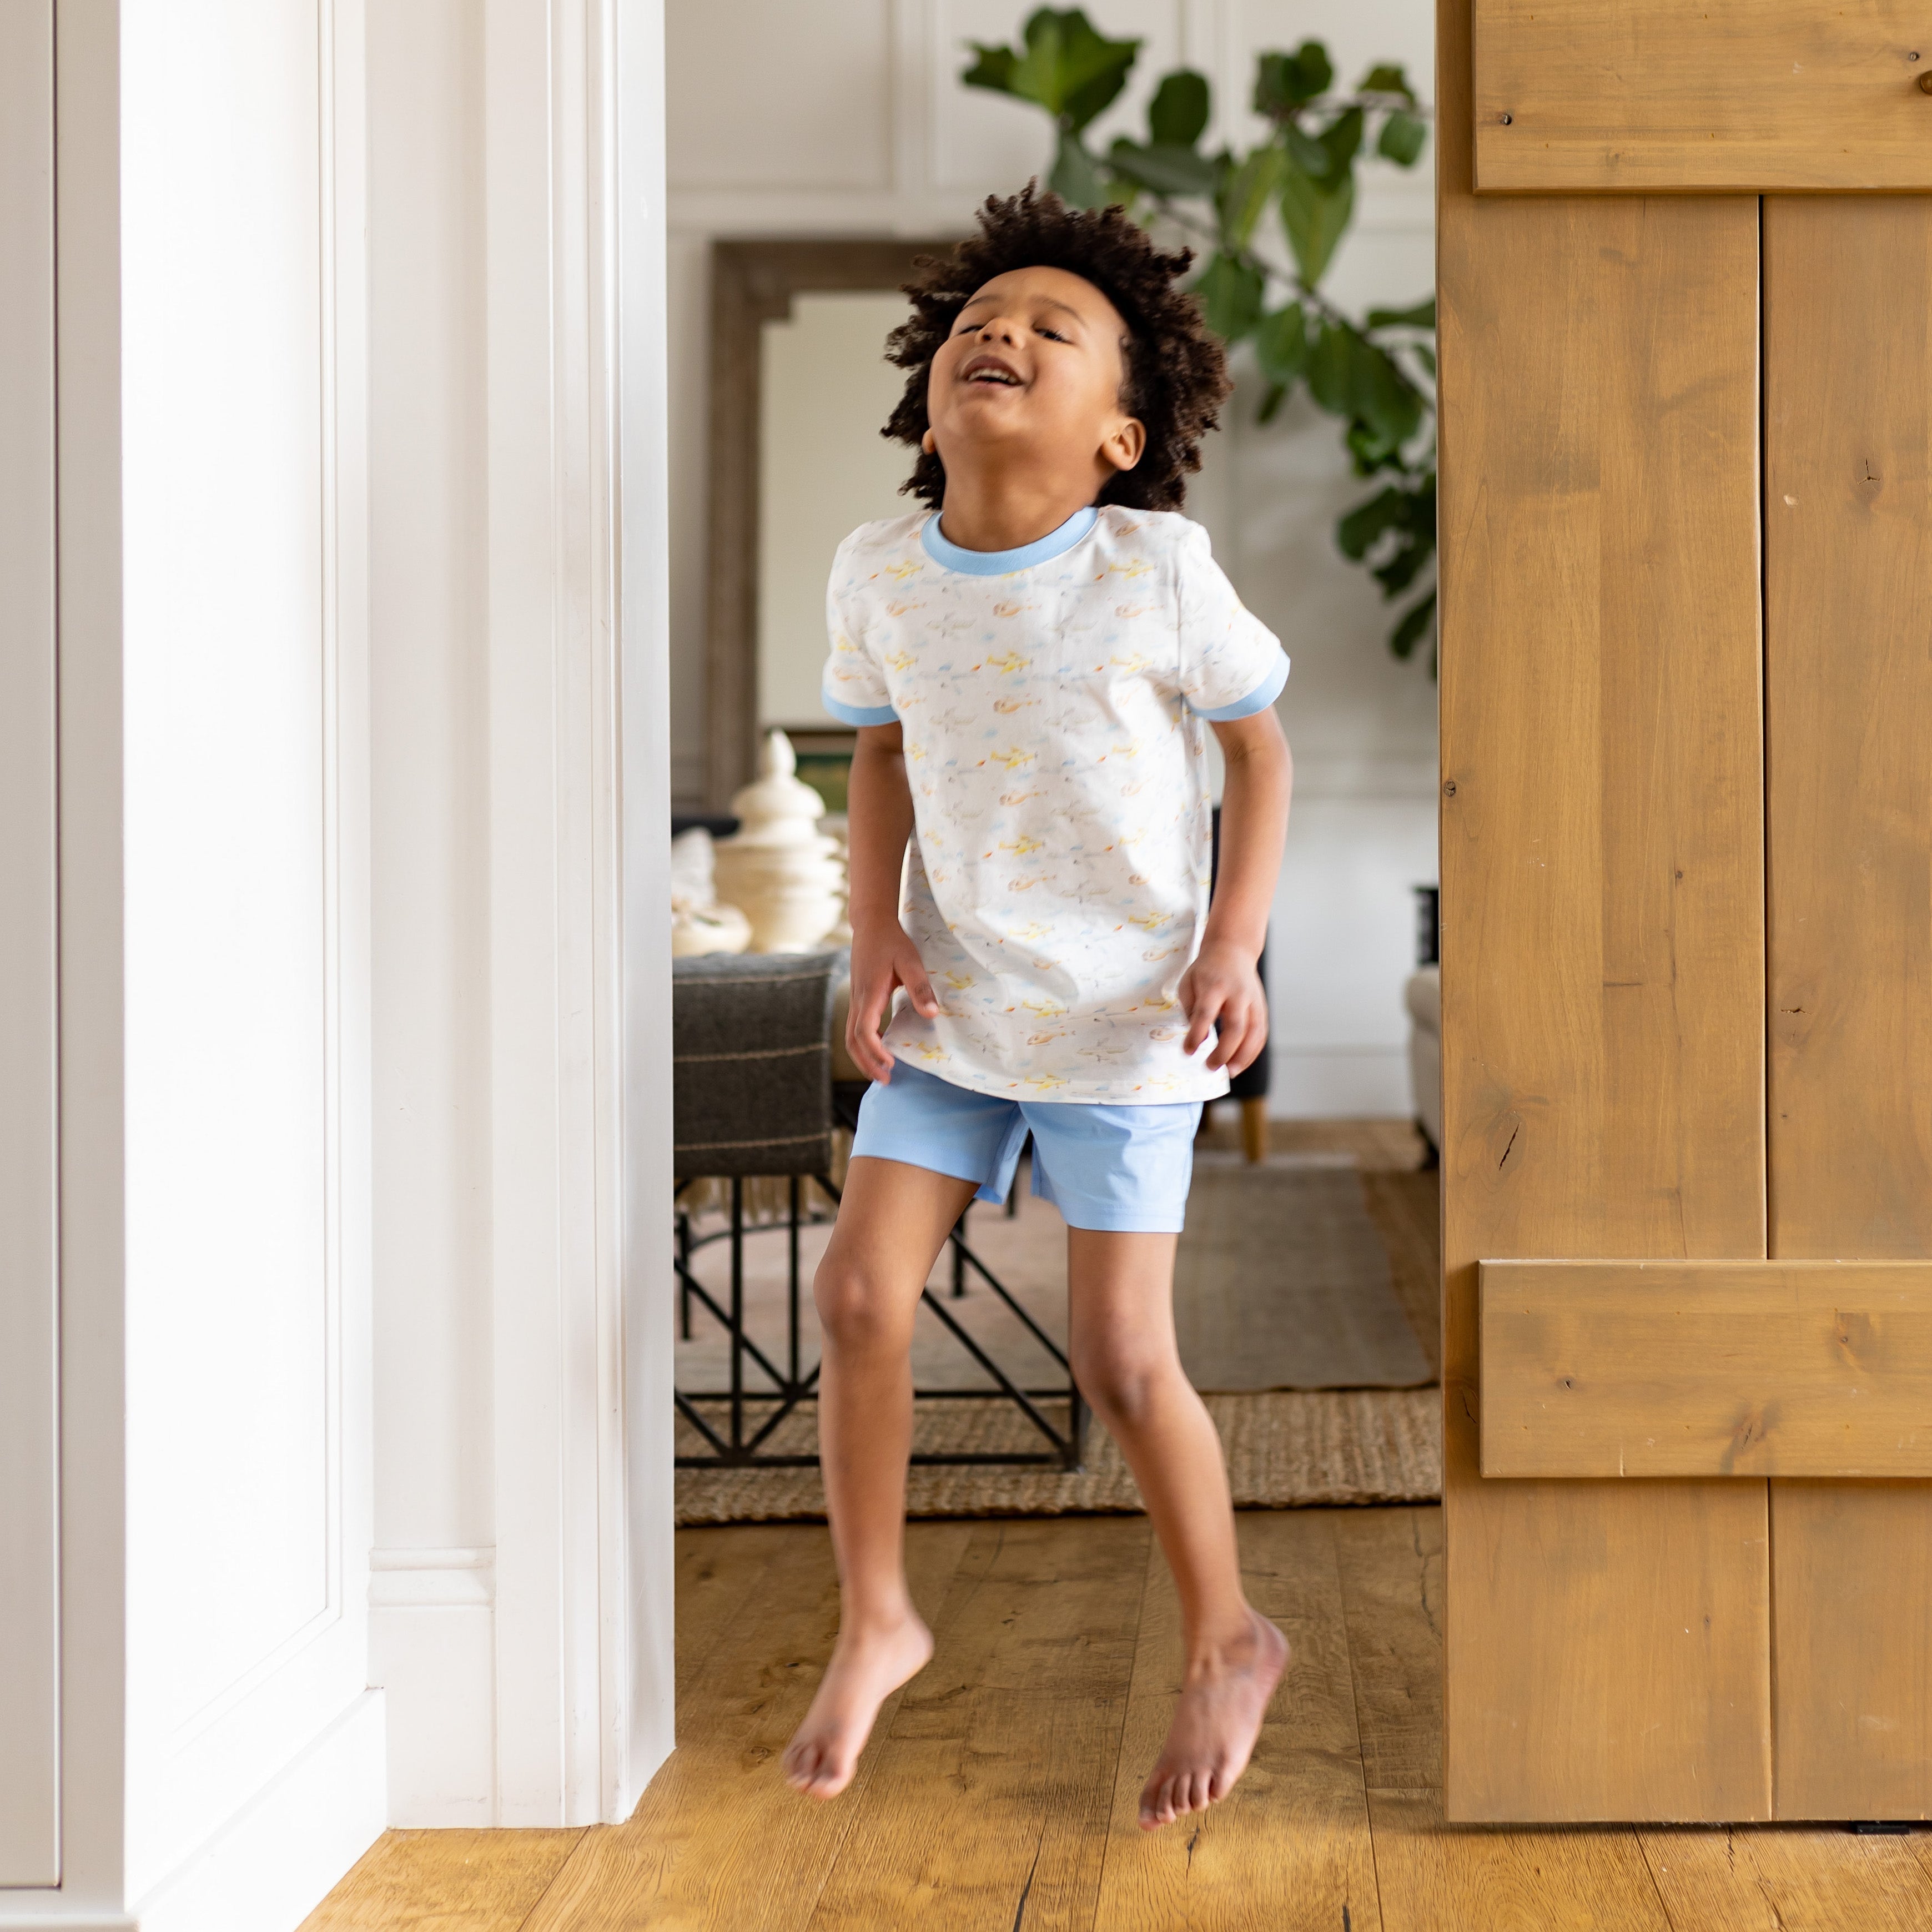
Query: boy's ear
[1126, 445]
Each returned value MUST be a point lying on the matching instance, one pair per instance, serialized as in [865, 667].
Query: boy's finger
[1201, 1021]
[925, 1001]
[1230, 1050]
[861, 1033]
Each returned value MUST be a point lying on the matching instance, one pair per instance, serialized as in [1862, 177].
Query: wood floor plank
[720, 1841]
[459, 1881]
[1439, 1878]
[1290, 1848]
[988, 1800]
[1788, 1880]
[721, 1577]
[1390, 1562]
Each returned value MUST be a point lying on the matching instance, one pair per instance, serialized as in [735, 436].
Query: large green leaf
[994, 69]
[1247, 191]
[1388, 78]
[1076, 176]
[1177, 114]
[1285, 82]
[1281, 346]
[1349, 377]
[1305, 151]
[1413, 627]
[1315, 218]
[1069, 68]
[1163, 167]
[1422, 316]
[1231, 293]
[1341, 140]
[1383, 512]
[1402, 139]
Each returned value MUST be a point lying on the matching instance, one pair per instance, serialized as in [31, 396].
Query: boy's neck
[1008, 512]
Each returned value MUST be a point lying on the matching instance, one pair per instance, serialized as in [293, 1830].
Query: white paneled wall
[222, 1752]
[848, 118]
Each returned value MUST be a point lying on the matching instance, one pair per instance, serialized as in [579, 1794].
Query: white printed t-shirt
[1052, 699]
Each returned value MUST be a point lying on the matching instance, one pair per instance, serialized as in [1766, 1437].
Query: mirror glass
[823, 469]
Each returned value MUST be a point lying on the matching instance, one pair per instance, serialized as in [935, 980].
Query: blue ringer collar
[1001, 562]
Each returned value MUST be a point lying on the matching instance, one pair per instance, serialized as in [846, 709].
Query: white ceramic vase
[779, 869]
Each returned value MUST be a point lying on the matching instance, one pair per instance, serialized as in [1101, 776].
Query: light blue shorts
[1124, 1170]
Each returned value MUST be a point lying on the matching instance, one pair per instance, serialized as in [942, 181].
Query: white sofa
[1423, 996]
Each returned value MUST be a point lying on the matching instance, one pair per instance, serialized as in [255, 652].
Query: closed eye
[1054, 334]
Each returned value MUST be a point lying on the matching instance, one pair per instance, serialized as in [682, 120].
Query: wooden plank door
[1848, 599]
[1687, 871]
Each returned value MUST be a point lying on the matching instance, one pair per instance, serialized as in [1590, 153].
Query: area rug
[1284, 1449]
[1307, 1303]
[1290, 1276]
[1281, 1281]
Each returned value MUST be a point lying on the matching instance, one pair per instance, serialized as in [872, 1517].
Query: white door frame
[579, 840]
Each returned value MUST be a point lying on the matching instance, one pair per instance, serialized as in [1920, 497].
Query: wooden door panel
[1848, 589]
[1629, 1369]
[1629, 97]
[1851, 1580]
[1606, 1644]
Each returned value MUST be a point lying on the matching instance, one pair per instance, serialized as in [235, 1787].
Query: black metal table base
[737, 1438]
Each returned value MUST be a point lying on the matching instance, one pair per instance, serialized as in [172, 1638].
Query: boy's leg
[893, 1221]
[1120, 1304]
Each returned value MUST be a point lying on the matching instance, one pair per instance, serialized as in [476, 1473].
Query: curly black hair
[1177, 375]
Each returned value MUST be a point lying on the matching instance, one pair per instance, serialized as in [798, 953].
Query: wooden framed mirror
[799, 390]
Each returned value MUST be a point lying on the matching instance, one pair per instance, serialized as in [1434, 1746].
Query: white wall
[848, 119]
[29, 965]
[221, 1753]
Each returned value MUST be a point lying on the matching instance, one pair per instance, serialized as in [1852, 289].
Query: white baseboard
[269, 1868]
[432, 1648]
[42, 1911]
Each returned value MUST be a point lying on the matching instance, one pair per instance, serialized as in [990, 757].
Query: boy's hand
[1221, 989]
[883, 957]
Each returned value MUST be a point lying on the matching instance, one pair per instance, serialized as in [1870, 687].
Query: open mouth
[991, 371]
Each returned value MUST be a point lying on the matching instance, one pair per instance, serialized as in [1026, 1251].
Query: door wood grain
[1595, 1368]
[1627, 96]
[1848, 586]
[1607, 1644]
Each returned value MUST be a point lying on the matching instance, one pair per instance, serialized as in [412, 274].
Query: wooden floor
[998, 1794]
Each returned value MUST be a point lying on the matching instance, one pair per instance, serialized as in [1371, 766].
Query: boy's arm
[1223, 988]
[879, 822]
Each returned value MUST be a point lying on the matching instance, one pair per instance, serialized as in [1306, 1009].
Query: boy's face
[1034, 366]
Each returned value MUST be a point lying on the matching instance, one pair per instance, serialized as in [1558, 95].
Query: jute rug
[1285, 1449]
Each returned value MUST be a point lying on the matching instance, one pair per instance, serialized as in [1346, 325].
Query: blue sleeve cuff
[858, 714]
[1264, 694]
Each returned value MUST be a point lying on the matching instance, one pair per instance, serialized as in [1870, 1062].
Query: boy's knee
[856, 1312]
[1120, 1382]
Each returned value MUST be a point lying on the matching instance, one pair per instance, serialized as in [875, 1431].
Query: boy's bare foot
[866, 1668]
[1222, 1702]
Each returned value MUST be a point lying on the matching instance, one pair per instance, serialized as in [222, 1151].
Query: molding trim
[566, 1621]
[432, 1579]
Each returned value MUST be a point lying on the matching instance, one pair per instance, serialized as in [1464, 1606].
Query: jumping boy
[1029, 665]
